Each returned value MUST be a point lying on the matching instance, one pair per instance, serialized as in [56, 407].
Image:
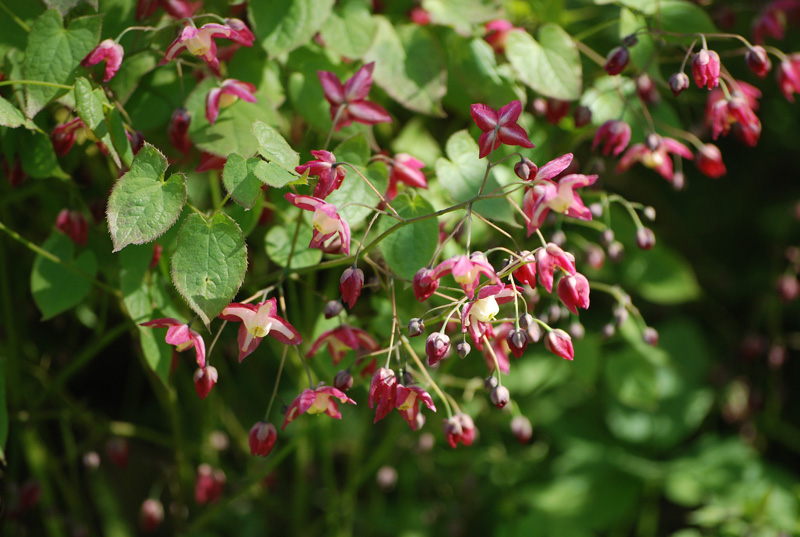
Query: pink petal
[674, 146]
[513, 134]
[358, 86]
[554, 167]
[368, 112]
[307, 203]
[331, 86]
[243, 90]
[212, 104]
[485, 117]
[487, 142]
[509, 113]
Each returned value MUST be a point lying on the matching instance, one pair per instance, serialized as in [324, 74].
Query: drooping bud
[415, 327]
[526, 169]
[649, 213]
[595, 256]
[490, 383]
[559, 343]
[607, 237]
[178, 130]
[424, 284]
[73, 224]
[573, 290]
[582, 116]
[709, 161]
[615, 135]
[527, 272]
[517, 342]
[617, 60]
[91, 460]
[576, 330]
[382, 391]
[788, 287]
[758, 61]
[534, 332]
[616, 251]
[650, 336]
[630, 40]
[118, 450]
[463, 349]
[151, 515]
[386, 478]
[522, 429]
[343, 380]
[436, 347]
[706, 68]
[500, 396]
[526, 321]
[608, 331]
[332, 309]
[204, 380]
[645, 238]
[209, 484]
[678, 82]
[262, 438]
[646, 89]
[556, 111]
[350, 284]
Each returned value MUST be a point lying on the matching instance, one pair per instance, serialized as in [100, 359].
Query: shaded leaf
[411, 247]
[89, 104]
[278, 244]
[550, 66]
[38, 156]
[56, 288]
[240, 181]
[274, 147]
[284, 26]
[350, 30]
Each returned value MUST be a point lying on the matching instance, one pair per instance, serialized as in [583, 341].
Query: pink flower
[526, 273]
[466, 271]
[548, 259]
[722, 113]
[617, 60]
[200, 42]
[178, 130]
[573, 290]
[459, 428]
[405, 169]
[330, 179]
[108, 51]
[179, 9]
[407, 403]
[788, 76]
[342, 339]
[348, 100]
[350, 284]
[615, 134]
[705, 69]
[559, 343]
[382, 390]
[419, 16]
[498, 344]
[437, 346]
[655, 155]
[241, 33]
[497, 33]
[209, 484]
[709, 161]
[259, 321]
[118, 450]
[262, 438]
[73, 224]
[228, 93]
[545, 195]
[477, 315]
[499, 127]
[210, 161]
[758, 61]
[63, 135]
[322, 399]
[204, 380]
[425, 284]
[151, 515]
[183, 337]
[678, 82]
[326, 221]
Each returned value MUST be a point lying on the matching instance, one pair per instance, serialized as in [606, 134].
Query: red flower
[436, 347]
[477, 315]
[204, 380]
[709, 161]
[183, 337]
[258, 321]
[73, 224]
[526, 273]
[151, 515]
[329, 180]
[459, 428]
[705, 69]
[350, 284]
[573, 290]
[678, 82]
[405, 169]
[178, 130]
[322, 399]
[758, 61]
[559, 343]
[425, 284]
[326, 221]
[382, 391]
[200, 42]
[499, 127]
[788, 76]
[108, 51]
[209, 484]
[466, 271]
[738, 111]
[262, 438]
[228, 93]
[350, 98]
[63, 135]
[617, 60]
[548, 259]
[342, 339]
[497, 32]
[407, 403]
[656, 157]
[615, 134]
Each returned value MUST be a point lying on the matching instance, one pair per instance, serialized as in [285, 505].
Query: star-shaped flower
[326, 221]
[200, 42]
[499, 127]
[466, 270]
[348, 100]
[322, 399]
[407, 403]
[478, 314]
[258, 321]
[183, 337]
[657, 158]
[342, 339]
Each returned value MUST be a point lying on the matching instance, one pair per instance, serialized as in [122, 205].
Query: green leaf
[411, 247]
[278, 243]
[354, 151]
[662, 276]
[284, 26]
[350, 30]
[274, 147]
[246, 219]
[463, 173]
[273, 175]
[3, 409]
[38, 156]
[54, 55]
[240, 180]
[550, 66]
[64, 6]
[56, 288]
[209, 263]
[409, 66]
[143, 205]
[232, 131]
[118, 136]
[686, 18]
[89, 103]
[11, 116]
[461, 15]
[157, 353]
[134, 263]
[355, 190]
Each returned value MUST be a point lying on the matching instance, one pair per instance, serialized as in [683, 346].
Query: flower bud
[556, 111]
[209, 484]
[463, 349]
[204, 380]
[178, 130]
[534, 332]
[709, 161]
[522, 429]
[386, 478]
[526, 169]
[607, 237]
[436, 347]
[350, 284]
[573, 290]
[678, 82]
[490, 383]
[262, 438]
[678, 181]
[615, 135]
[332, 308]
[595, 256]
[649, 213]
[64, 135]
[526, 320]
[118, 450]
[558, 237]
[758, 61]
[343, 380]
[596, 209]
[424, 284]
[559, 343]
[608, 331]
[582, 116]
[645, 238]
[788, 288]
[616, 251]
[91, 460]
[73, 224]
[617, 60]
[526, 273]
[415, 327]
[706, 68]
[630, 40]
[576, 330]
[382, 391]
[776, 357]
[517, 342]
[650, 336]
[500, 396]
[151, 515]
[646, 89]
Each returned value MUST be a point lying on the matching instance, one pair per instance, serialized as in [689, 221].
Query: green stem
[277, 381]
[375, 190]
[424, 372]
[16, 19]
[34, 83]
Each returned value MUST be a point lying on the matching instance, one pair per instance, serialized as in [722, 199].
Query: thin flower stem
[34, 83]
[14, 17]
[55, 259]
[516, 301]
[336, 119]
[211, 348]
[277, 382]
[294, 242]
[394, 322]
[628, 207]
[688, 53]
[541, 238]
[132, 28]
[369, 227]
[427, 376]
[375, 190]
[305, 366]
[484, 220]
[441, 246]
[589, 52]
[494, 358]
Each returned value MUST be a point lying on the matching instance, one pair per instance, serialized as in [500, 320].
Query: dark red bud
[617, 60]
[650, 336]
[645, 238]
[500, 396]
[343, 380]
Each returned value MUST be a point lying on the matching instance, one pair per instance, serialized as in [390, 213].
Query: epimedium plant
[415, 163]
